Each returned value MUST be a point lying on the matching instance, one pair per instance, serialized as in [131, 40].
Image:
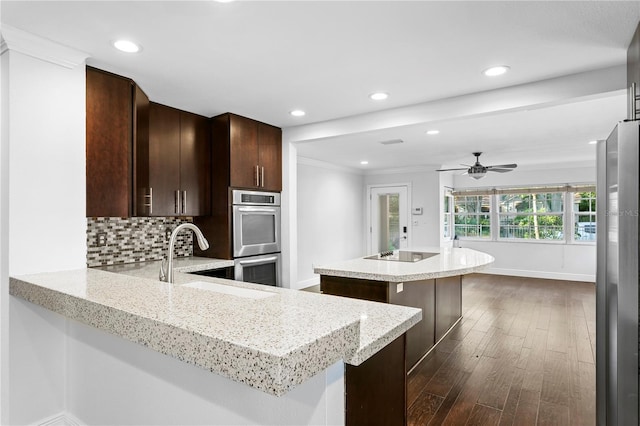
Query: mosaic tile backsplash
[134, 239]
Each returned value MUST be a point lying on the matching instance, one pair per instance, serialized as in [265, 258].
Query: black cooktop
[402, 256]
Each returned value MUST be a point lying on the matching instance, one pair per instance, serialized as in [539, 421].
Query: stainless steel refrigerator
[617, 277]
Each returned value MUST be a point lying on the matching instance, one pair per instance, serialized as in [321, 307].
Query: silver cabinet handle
[149, 201]
[262, 177]
[257, 175]
[176, 205]
[184, 202]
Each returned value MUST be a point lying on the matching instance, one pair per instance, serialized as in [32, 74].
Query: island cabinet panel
[109, 150]
[448, 306]
[376, 291]
[178, 163]
[417, 294]
[440, 300]
[376, 390]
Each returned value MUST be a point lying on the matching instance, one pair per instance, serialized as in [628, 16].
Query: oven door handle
[254, 261]
[256, 209]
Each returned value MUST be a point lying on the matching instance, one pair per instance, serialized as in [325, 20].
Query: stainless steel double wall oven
[256, 236]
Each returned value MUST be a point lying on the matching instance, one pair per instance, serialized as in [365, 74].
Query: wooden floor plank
[521, 355]
[555, 380]
[422, 412]
[507, 416]
[553, 414]
[484, 416]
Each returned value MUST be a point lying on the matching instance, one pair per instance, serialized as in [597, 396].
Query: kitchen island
[273, 340]
[430, 279]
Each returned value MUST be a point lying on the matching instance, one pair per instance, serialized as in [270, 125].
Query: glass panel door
[389, 219]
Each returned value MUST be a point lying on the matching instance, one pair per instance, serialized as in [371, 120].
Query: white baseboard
[540, 274]
[308, 283]
[62, 419]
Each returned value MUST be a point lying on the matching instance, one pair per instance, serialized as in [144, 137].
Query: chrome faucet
[167, 274]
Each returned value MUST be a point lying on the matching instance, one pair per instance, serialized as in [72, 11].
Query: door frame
[369, 229]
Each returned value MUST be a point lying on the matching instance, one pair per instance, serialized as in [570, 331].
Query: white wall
[45, 131]
[425, 192]
[47, 166]
[330, 217]
[574, 262]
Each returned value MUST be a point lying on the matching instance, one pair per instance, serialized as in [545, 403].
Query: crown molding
[326, 165]
[14, 39]
[401, 170]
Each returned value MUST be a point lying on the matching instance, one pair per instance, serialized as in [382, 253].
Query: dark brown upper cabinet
[116, 120]
[177, 164]
[250, 152]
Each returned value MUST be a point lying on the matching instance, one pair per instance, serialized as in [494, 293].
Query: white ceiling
[262, 59]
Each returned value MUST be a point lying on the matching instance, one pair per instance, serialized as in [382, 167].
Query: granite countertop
[448, 262]
[273, 343]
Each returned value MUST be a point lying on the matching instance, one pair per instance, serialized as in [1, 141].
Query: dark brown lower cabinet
[448, 304]
[376, 390]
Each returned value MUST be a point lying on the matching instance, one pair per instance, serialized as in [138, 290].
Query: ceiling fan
[478, 171]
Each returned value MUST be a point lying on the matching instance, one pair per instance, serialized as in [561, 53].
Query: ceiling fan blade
[448, 170]
[503, 166]
[499, 170]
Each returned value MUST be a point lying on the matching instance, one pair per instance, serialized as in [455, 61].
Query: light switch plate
[399, 287]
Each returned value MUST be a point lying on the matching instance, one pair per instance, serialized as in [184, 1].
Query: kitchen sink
[247, 293]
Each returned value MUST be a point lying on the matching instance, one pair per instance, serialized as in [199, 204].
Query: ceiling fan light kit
[478, 171]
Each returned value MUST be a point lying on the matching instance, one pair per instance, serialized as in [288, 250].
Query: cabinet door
[164, 159]
[195, 163]
[243, 141]
[108, 144]
[270, 157]
[141, 194]
[448, 303]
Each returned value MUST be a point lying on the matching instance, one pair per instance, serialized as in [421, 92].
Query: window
[472, 215]
[447, 216]
[584, 216]
[533, 216]
[547, 214]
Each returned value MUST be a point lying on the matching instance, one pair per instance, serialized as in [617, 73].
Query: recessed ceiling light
[433, 132]
[593, 142]
[496, 71]
[297, 113]
[379, 96]
[127, 46]
[364, 163]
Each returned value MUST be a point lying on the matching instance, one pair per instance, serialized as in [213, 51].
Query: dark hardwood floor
[523, 354]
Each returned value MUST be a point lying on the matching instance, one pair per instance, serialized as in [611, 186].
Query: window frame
[571, 197]
[477, 214]
[448, 214]
[568, 213]
[561, 214]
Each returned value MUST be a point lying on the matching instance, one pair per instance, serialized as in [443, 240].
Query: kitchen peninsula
[430, 279]
[272, 339]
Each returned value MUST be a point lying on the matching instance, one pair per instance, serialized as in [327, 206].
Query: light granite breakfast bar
[269, 338]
